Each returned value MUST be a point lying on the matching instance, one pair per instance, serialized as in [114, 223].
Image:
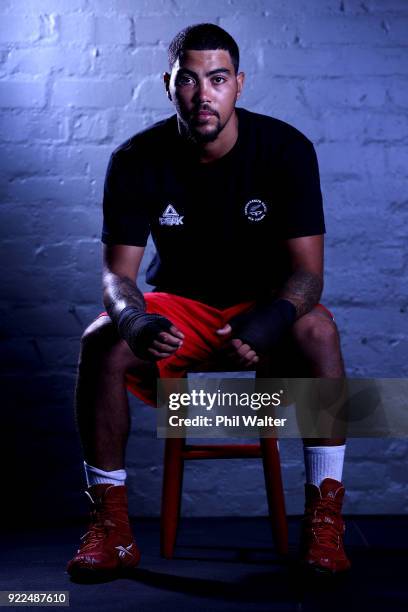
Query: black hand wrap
[263, 326]
[140, 328]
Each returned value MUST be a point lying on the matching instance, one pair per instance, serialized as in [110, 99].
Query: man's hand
[150, 336]
[166, 343]
[263, 327]
[256, 332]
[238, 351]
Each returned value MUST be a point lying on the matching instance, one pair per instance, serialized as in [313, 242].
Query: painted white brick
[22, 94]
[92, 94]
[77, 78]
[112, 31]
[19, 28]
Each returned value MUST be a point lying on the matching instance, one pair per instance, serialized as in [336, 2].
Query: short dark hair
[203, 37]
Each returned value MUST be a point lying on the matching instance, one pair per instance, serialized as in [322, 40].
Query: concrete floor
[220, 564]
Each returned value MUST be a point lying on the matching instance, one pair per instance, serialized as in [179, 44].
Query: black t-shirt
[218, 227]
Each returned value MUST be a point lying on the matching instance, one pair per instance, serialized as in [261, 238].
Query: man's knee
[101, 341]
[101, 346]
[99, 335]
[316, 330]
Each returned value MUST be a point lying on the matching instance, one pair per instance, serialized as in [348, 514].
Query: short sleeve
[301, 209]
[125, 216]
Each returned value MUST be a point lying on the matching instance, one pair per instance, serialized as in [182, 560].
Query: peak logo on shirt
[171, 216]
[255, 210]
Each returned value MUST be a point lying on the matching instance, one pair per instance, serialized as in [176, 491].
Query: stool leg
[171, 495]
[275, 495]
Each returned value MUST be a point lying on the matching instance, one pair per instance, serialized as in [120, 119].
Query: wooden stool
[177, 451]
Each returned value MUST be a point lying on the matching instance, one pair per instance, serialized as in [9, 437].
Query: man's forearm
[303, 289]
[120, 292]
[126, 306]
[264, 326]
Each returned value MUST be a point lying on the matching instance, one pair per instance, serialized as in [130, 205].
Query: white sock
[95, 476]
[323, 462]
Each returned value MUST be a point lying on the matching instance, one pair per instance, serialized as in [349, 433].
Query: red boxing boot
[109, 544]
[321, 546]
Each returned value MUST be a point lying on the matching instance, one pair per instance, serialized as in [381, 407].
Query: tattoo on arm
[120, 292]
[303, 289]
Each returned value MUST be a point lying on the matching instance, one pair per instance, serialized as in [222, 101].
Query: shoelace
[101, 522]
[98, 530]
[323, 523]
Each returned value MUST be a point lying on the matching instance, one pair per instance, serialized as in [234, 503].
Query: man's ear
[240, 82]
[166, 80]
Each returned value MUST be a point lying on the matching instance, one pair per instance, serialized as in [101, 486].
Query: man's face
[203, 87]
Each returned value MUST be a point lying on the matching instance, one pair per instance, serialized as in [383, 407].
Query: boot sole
[315, 570]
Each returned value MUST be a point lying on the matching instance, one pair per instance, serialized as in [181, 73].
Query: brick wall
[77, 77]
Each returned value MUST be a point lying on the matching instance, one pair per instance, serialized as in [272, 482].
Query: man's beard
[199, 137]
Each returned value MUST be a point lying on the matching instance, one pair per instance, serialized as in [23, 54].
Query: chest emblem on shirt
[170, 216]
[255, 210]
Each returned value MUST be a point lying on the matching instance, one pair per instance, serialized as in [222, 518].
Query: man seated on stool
[233, 202]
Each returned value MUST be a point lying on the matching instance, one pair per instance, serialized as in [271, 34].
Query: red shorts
[198, 322]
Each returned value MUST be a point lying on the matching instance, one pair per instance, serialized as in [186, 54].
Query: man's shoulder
[148, 140]
[265, 127]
